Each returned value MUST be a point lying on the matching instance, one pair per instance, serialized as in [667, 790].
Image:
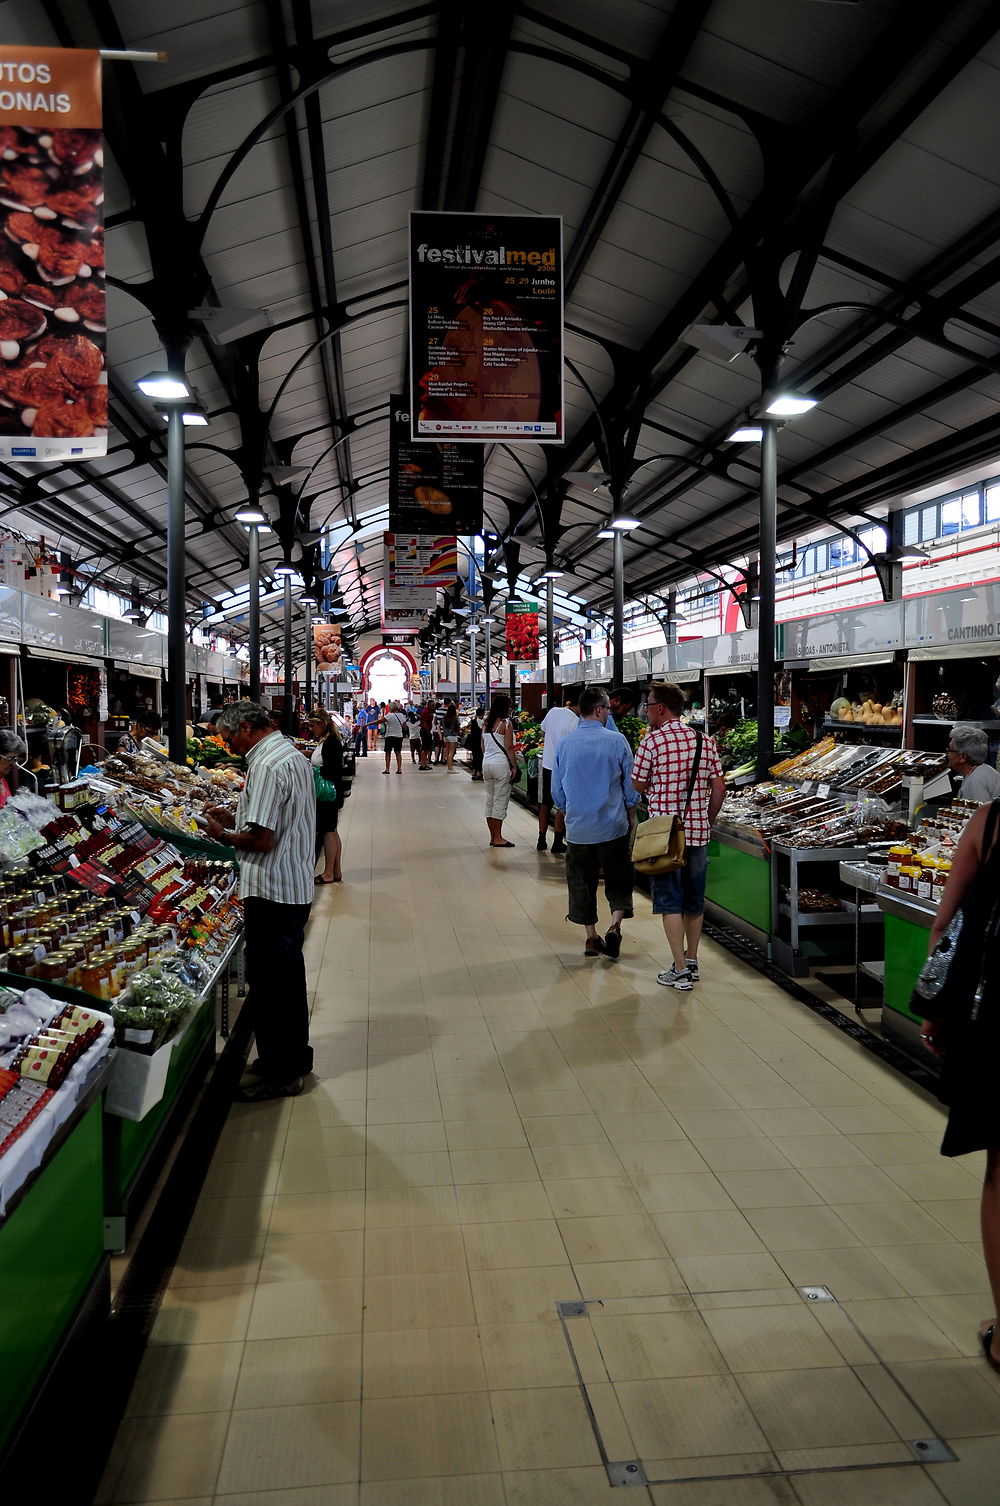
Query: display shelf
[874, 970]
[834, 724]
[931, 719]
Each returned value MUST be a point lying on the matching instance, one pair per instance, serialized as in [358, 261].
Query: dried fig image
[19, 322]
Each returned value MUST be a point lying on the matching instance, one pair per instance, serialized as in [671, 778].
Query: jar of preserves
[94, 979]
[899, 854]
[21, 960]
[925, 877]
[909, 873]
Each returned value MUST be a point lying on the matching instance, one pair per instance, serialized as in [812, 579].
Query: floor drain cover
[575, 1309]
[627, 1472]
[932, 1451]
[817, 1294]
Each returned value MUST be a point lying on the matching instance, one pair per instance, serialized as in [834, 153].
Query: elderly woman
[13, 750]
[968, 748]
[328, 757]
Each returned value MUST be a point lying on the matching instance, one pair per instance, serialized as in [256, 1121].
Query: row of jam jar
[916, 873]
[88, 963]
[22, 918]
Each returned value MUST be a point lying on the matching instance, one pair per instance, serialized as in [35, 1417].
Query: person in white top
[395, 730]
[556, 724]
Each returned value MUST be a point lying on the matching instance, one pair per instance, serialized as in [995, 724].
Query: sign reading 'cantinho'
[486, 327]
[53, 383]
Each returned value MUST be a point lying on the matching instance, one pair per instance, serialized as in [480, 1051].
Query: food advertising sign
[327, 648]
[53, 383]
[521, 631]
[414, 564]
[432, 484]
[486, 327]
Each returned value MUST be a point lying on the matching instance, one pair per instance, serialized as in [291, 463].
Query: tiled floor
[364, 1312]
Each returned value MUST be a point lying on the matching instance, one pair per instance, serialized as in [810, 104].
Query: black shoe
[541, 845]
[595, 947]
[260, 1092]
[558, 845]
[613, 942]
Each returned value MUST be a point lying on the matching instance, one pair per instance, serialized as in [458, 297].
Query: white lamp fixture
[284, 570]
[552, 575]
[605, 533]
[260, 527]
[789, 405]
[307, 601]
[487, 622]
[164, 385]
[746, 434]
[624, 525]
[248, 513]
[193, 415]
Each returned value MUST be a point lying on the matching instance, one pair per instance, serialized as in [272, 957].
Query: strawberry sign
[521, 623]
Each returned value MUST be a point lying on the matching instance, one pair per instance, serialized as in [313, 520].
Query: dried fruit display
[53, 383]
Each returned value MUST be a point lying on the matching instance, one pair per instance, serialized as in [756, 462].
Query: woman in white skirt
[498, 766]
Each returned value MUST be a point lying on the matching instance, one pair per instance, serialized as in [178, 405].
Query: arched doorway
[386, 674]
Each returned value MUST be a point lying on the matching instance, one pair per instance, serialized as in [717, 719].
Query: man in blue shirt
[592, 783]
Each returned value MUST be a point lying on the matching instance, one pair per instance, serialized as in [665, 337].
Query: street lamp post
[766, 586]
[287, 718]
[176, 627]
[253, 621]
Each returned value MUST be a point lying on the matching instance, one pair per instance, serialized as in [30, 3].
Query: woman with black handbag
[328, 758]
[957, 996]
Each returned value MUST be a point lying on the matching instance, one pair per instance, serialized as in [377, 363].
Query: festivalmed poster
[327, 648]
[486, 327]
[436, 484]
[53, 383]
[521, 631]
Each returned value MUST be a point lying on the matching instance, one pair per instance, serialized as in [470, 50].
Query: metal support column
[309, 658]
[618, 611]
[253, 621]
[287, 720]
[176, 626]
[765, 614]
[489, 664]
[550, 646]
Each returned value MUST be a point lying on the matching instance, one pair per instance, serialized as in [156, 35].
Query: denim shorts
[683, 891]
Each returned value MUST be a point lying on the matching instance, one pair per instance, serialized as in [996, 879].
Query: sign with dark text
[432, 484]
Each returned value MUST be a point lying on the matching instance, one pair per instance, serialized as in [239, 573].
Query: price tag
[807, 788]
[74, 861]
[823, 791]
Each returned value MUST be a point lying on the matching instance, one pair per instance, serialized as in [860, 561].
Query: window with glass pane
[821, 552]
[992, 504]
[877, 540]
[971, 510]
[911, 526]
[929, 522]
[951, 516]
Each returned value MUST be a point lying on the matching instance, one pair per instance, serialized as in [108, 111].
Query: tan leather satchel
[658, 844]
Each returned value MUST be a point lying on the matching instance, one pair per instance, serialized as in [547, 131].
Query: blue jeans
[683, 891]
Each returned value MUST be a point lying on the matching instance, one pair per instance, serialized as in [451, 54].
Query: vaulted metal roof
[741, 162]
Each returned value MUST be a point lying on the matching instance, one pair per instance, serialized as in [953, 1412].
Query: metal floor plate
[711, 1386]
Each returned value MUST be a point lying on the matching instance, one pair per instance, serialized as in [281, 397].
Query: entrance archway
[386, 674]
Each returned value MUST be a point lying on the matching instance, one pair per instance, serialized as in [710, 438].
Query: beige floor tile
[627, 1237]
[814, 1408]
[959, 1216]
[543, 1428]
[558, 1487]
[288, 1446]
[716, 1124]
[931, 1180]
[647, 1346]
[654, 1158]
[748, 1153]
[485, 1134]
[522, 1355]
[877, 1119]
[306, 1495]
[624, 1278]
[305, 1371]
[413, 1251]
[582, 1198]
[516, 1296]
[687, 1192]
[854, 1184]
[960, 1397]
[320, 1256]
[393, 1139]
[174, 1457]
[241, 1179]
[294, 1309]
[178, 1378]
[243, 1143]
[894, 1224]
[790, 1121]
[429, 1168]
[894, 1149]
[935, 1270]
[218, 1262]
[819, 1150]
[628, 1129]
[564, 1129]
[850, 1273]
[422, 1362]
[971, 1481]
[767, 1491]
[478, 1167]
[958, 1318]
[500, 1202]
[771, 1338]
[730, 1273]
[769, 1189]
[563, 1162]
[900, 1329]
[714, 1232]
[406, 1207]
[814, 1228]
[433, 1299]
[409, 1437]
[229, 1217]
[455, 1490]
[528, 1242]
[314, 1174]
[203, 1315]
[689, 1417]
[404, 1110]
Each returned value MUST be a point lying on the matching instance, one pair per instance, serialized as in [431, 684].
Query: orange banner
[50, 86]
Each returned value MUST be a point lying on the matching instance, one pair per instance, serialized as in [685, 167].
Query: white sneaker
[692, 966]
[674, 979]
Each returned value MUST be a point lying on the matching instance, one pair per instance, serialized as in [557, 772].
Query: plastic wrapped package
[17, 837]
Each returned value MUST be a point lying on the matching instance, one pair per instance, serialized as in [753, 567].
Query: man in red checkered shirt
[661, 772]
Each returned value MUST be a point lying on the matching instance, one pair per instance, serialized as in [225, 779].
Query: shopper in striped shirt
[274, 834]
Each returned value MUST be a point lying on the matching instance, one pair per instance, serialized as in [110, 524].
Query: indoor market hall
[539, 1229]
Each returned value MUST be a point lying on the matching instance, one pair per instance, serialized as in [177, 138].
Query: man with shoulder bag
[678, 770]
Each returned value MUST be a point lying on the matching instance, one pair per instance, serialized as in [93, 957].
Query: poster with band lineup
[432, 484]
[486, 327]
[53, 381]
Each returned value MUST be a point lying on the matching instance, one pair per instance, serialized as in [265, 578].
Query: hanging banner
[53, 384]
[521, 631]
[327, 649]
[440, 485]
[486, 327]
[413, 565]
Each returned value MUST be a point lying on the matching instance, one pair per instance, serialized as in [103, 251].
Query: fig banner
[521, 625]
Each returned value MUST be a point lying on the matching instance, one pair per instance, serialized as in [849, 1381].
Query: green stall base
[905, 955]
[740, 882]
[128, 1143]
[51, 1250]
